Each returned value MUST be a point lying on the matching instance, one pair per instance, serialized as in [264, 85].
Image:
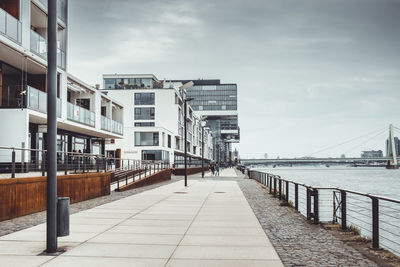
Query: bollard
[63, 216]
[343, 209]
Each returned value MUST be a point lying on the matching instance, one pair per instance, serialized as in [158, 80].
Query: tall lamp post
[203, 124]
[185, 100]
[51, 215]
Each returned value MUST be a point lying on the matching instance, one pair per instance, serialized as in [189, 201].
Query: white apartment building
[85, 115]
[153, 121]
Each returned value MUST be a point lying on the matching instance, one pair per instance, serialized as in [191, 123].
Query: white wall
[14, 131]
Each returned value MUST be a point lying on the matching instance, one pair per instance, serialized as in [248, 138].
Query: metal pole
[343, 209]
[13, 164]
[316, 206]
[52, 127]
[185, 125]
[202, 152]
[375, 221]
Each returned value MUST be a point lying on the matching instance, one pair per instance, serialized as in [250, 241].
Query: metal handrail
[311, 208]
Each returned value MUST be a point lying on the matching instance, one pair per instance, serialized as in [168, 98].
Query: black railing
[137, 170]
[23, 160]
[374, 217]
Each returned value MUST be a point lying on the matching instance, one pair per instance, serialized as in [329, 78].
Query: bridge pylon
[392, 149]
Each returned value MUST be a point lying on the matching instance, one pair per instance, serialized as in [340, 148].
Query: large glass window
[109, 83]
[146, 139]
[144, 98]
[144, 113]
[144, 124]
[155, 155]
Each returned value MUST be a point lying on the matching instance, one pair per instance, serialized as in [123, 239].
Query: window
[144, 98]
[110, 83]
[144, 124]
[155, 155]
[169, 141]
[146, 139]
[83, 102]
[144, 113]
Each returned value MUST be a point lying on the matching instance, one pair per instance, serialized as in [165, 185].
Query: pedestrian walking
[212, 169]
[217, 169]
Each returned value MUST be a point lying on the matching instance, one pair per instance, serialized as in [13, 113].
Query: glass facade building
[218, 104]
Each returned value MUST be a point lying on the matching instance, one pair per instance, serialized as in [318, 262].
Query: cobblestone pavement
[297, 242]
[20, 223]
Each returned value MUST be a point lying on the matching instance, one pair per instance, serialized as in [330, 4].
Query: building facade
[154, 121]
[85, 116]
[217, 104]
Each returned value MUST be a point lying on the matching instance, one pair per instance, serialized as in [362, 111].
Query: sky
[311, 74]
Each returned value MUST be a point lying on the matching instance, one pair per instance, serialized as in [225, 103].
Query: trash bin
[63, 216]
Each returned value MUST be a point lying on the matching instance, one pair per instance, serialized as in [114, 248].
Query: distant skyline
[310, 73]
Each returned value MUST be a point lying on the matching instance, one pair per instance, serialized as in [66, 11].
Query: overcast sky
[310, 73]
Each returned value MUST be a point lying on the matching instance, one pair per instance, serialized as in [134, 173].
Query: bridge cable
[366, 141]
[345, 142]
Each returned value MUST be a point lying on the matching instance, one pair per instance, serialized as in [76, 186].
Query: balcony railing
[79, 114]
[10, 26]
[37, 100]
[110, 125]
[39, 47]
[19, 96]
[61, 9]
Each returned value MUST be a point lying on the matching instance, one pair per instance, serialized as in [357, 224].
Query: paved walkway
[209, 223]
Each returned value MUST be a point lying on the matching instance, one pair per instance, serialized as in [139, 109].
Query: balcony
[31, 98]
[37, 100]
[61, 9]
[110, 125]
[81, 115]
[39, 47]
[10, 26]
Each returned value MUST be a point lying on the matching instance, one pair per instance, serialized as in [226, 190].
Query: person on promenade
[110, 160]
[217, 169]
[212, 169]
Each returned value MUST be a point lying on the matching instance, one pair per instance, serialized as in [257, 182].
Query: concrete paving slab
[122, 250]
[68, 261]
[224, 263]
[25, 261]
[139, 239]
[225, 253]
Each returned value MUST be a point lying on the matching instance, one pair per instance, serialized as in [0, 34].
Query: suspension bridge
[389, 161]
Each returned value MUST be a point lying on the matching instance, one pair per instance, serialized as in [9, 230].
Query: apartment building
[86, 117]
[154, 120]
[217, 103]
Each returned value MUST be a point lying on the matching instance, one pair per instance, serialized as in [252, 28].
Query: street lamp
[202, 148]
[185, 100]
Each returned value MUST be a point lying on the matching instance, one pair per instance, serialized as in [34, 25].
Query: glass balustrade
[81, 115]
[39, 47]
[110, 125]
[61, 8]
[10, 26]
[37, 100]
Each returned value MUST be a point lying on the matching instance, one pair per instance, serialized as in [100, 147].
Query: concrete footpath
[208, 223]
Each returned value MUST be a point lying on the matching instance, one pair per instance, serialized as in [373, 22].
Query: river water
[376, 181]
[369, 180]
